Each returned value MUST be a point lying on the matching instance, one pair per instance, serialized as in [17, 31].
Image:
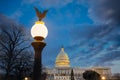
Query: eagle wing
[38, 13]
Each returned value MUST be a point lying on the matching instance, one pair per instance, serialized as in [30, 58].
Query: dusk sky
[89, 30]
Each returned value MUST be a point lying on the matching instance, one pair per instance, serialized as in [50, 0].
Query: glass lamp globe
[39, 31]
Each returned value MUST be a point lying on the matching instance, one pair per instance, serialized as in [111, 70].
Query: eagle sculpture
[39, 14]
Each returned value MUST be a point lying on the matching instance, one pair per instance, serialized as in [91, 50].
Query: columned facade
[62, 69]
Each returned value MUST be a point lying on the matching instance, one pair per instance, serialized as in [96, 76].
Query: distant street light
[39, 32]
[26, 78]
[103, 78]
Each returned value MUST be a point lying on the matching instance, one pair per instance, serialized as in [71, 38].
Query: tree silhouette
[72, 75]
[91, 75]
[13, 43]
[44, 76]
[23, 66]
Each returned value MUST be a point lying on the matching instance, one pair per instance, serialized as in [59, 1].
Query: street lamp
[26, 78]
[103, 78]
[39, 32]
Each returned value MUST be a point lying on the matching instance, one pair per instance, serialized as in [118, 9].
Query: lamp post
[39, 32]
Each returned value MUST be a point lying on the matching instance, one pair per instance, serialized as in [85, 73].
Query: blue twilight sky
[88, 29]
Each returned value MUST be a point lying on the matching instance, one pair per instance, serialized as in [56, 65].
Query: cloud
[116, 66]
[105, 11]
[108, 57]
[5, 20]
[16, 15]
[96, 43]
[98, 58]
[48, 3]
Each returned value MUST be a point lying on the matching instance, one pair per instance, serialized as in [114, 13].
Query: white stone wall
[65, 73]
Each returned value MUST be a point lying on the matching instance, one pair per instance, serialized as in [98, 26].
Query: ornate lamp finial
[39, 14]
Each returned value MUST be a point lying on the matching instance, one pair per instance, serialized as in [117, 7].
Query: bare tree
[23, 66]
[13, 43]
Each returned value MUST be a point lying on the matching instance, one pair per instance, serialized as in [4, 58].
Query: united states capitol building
[62, 69]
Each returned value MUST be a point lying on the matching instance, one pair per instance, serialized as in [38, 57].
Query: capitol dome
[62, 59]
